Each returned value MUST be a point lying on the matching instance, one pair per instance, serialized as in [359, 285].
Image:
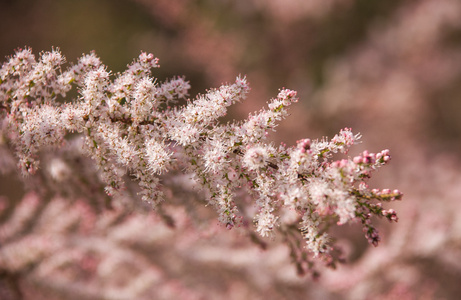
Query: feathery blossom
[130, 131]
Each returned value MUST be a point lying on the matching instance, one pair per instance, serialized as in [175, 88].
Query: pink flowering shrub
[144, 142]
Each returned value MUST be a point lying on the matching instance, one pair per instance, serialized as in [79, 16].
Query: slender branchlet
[129, 129]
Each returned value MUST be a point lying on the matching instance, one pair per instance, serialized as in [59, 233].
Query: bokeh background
[390, 70]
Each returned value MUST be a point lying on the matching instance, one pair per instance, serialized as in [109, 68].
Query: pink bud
[358, 160]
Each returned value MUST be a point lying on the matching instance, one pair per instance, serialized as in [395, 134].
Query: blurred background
[390, 70]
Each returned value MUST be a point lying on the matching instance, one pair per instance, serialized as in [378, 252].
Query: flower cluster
[129, 130]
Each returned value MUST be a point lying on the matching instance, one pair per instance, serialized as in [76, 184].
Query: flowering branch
[129, 128]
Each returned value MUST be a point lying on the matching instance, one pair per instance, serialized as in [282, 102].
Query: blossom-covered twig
[128, 128]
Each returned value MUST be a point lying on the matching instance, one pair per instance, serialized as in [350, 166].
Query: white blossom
[129, 128]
